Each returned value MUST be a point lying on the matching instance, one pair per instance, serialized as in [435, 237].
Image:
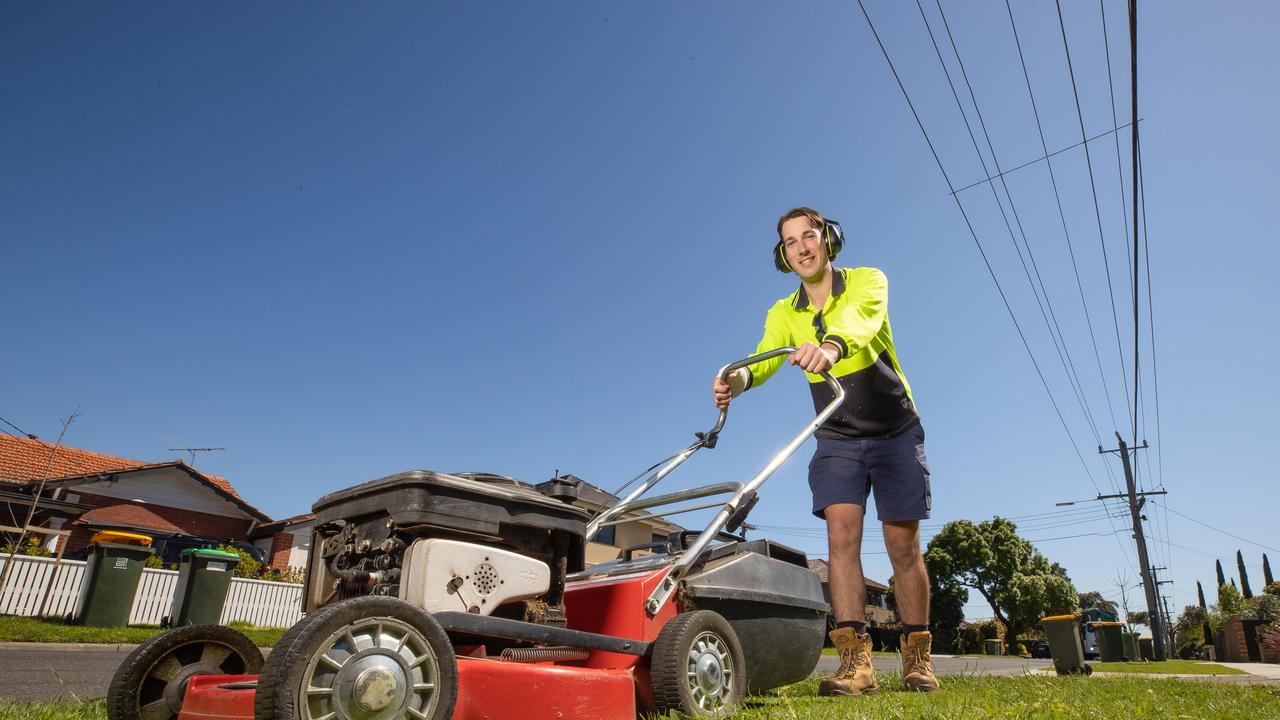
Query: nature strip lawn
[1005, 698]
[1170, 667]
[1051, 698]
[25, 629]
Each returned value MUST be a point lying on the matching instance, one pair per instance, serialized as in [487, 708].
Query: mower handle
[727, 370]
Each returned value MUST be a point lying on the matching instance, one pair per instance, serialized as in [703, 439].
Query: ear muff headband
[831, 233]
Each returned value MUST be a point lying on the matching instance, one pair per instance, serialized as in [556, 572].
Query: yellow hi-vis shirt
[855, 318]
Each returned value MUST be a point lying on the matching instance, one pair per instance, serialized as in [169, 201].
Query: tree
[1140, 617]
[1229, 600]
[1244, 577]
[1093, 600]
[1222, 579]
[1014, 578]
[1187, 629]
[1266, 571]
[1208, 631]
[946, 609]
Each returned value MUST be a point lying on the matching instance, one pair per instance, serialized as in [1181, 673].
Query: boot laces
[920, 658]
[851, 658]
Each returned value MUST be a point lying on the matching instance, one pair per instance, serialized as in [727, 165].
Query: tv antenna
[194, 450]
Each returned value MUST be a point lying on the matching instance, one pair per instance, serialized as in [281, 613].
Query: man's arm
[775, 335]
[863, 314]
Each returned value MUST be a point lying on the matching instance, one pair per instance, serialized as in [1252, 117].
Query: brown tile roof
[23, 460]
[823, 568]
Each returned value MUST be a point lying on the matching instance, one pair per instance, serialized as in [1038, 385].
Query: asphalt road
[52, 672]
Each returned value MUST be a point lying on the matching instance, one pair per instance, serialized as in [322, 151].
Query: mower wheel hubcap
[373, 669]
[710, 671]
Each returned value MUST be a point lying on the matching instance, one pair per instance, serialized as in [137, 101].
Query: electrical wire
[1106, 263]
[1215, 529]
[1062, 217]
[1055, 331]
[978, 243]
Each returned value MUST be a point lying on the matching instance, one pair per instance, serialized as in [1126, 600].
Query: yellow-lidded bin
[1063, 632]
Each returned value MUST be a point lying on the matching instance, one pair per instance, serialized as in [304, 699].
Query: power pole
[1136, 501]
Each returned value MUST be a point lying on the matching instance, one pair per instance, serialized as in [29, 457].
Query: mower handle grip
[710, 436]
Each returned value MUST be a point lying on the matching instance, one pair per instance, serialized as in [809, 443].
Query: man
[838, 319]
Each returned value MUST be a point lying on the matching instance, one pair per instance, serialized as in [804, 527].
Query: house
[287, 542]
[878, 612]
[86, 492]
[640, 528]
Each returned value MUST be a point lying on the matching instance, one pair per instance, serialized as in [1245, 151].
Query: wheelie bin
[1146, 649]
[1110, 641]
[1130, 640]
[1063, 632]
[116, 560]
[204, 576]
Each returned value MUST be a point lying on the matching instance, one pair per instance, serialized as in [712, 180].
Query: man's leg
[849, 603]
[910, 579]
[902, 540]
[844, 543]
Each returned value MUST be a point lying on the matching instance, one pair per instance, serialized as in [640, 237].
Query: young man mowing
[838, 318]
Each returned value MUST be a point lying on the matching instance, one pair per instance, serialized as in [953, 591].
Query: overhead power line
[24, 433]
[1062, 216]
[1093, 187]
[1217, 529]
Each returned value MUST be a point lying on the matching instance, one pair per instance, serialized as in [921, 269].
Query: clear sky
[343, 241]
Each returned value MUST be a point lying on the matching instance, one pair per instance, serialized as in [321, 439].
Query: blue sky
[520, 238]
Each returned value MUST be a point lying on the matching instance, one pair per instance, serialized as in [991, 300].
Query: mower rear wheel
[371, 657]
[152, 681]
[697, 666]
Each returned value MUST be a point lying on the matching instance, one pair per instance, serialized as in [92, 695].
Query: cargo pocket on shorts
[924, 474]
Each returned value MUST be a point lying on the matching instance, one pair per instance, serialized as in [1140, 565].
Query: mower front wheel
[697, 666]
[152, 681]
[371, 657]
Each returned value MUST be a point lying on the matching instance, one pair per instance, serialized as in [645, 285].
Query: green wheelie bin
[1063, 632]
[1130, 640]
[1110, 641]
[1146, 649]
[204, 576]
[116, 560]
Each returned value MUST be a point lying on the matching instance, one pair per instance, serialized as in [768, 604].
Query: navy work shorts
[895, 468]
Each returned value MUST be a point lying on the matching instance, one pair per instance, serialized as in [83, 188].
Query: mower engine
[468, 542]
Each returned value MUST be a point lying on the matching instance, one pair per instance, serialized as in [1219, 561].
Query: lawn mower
[432, 595]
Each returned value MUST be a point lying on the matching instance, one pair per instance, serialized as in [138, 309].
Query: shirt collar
[837, 289]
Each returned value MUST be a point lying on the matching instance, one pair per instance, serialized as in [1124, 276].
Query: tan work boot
[855, 676]
[917, 665]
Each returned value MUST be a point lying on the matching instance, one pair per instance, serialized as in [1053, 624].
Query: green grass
[25, 629]
[61, 710]
[962, 697]
[1172, 667]
[1026, 697]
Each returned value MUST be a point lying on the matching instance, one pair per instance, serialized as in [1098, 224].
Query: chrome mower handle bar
[681, 567]
[707, 440]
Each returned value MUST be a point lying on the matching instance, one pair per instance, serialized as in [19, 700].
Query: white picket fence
[36, 588]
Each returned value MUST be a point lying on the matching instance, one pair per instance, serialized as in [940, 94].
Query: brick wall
[281, 545]
[159, 517]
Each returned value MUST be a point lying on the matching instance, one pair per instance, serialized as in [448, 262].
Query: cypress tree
[1233, 584]
[1244, 577]
[1222, 579]
[1266, 571]
[1208, 631]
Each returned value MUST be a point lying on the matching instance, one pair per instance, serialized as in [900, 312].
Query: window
[606, 535]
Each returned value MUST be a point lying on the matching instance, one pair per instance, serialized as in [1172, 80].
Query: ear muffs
[831, 232]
